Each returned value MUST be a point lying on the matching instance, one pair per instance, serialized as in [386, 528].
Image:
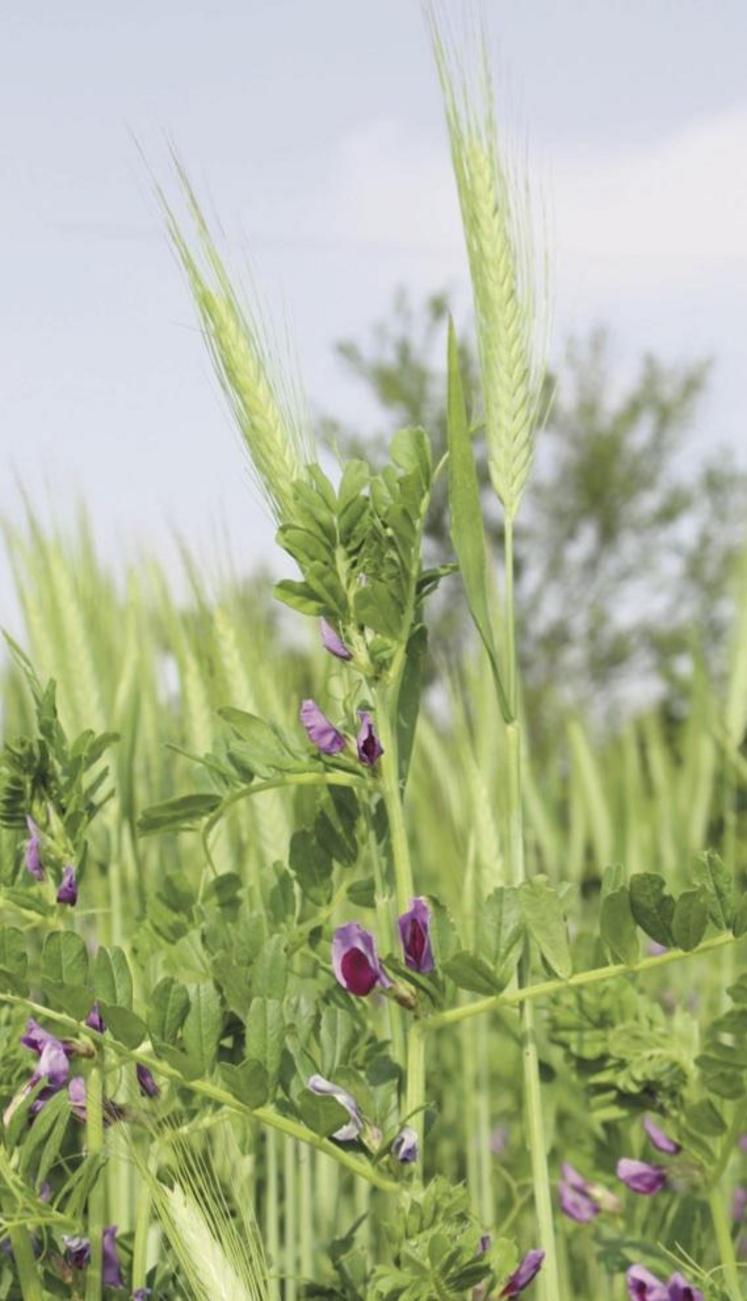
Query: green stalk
[306, 1204]
[549, 1283]
[272, 1207]
[23, 1258]
[96, 1198]
[290, 1227]
[386, 715]
[140, 1242]
[725, 1244]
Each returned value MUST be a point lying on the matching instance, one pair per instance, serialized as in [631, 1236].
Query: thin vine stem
[549, 988]
[264, 1115]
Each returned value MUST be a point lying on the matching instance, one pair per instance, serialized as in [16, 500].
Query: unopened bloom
[575, 1197]
[32, 851]
[405, 1145]
[528, 1269]
[355, 961]
[323, 734]
[331, 642]
[326, 1088]
[499, 1140]
[148, 1086]
[640, 1177]
[77, 1251]
[369, 746]
[68, 890]
[660, 1140]
[111, 1274]
[414, 932]
[95, 1020]
[738, 1204]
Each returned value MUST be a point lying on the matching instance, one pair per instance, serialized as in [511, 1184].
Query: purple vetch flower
[574, 1193]
[405, 1145]
[498, 1140]
[142, 1294]
[45, 1192]
[325, 1088]
[76, 1092]
[660, 1140]
[645, 1286]
[32, 851]
[743, 1142]
[485, 1243]
[414, 932]
[529, 1268]
[323, 734]
[77, 1251]
[95, 1020]
[36, 1038]
[148, 1086]
[640, 1177]
[738, 1204]
[68, 889]
[369, 746]
[332, 642]
[681, 1290]
[53, 1065]
[355, 961]
[111, 1274]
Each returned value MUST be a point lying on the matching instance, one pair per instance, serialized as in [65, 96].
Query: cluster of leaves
[437, 1250]
[358, 549]
[60, 783]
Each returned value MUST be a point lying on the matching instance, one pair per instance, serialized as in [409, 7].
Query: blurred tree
[629, 533]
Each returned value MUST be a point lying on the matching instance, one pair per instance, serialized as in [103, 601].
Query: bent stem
[549, 1282]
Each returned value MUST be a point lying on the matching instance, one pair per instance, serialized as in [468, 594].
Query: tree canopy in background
[630, 530]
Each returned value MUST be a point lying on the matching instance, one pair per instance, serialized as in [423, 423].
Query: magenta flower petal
[659, 1139]
[355, 961]
[319, 730]
[332, 643]
[681, 1290]
[369, 746]
[414, 932]
[68, 891]
[405, 1145]
[346, 1133]
[640, 1177]
[111, 1274]
[645, 1286]
[77, 1251]
[32, 851]
[148, 1086]
[529, 1268]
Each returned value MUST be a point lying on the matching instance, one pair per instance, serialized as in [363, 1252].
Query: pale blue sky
[314, 129]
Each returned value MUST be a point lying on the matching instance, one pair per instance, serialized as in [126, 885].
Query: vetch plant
[195, 1025]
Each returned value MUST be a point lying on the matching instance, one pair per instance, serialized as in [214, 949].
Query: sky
[313, 131]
